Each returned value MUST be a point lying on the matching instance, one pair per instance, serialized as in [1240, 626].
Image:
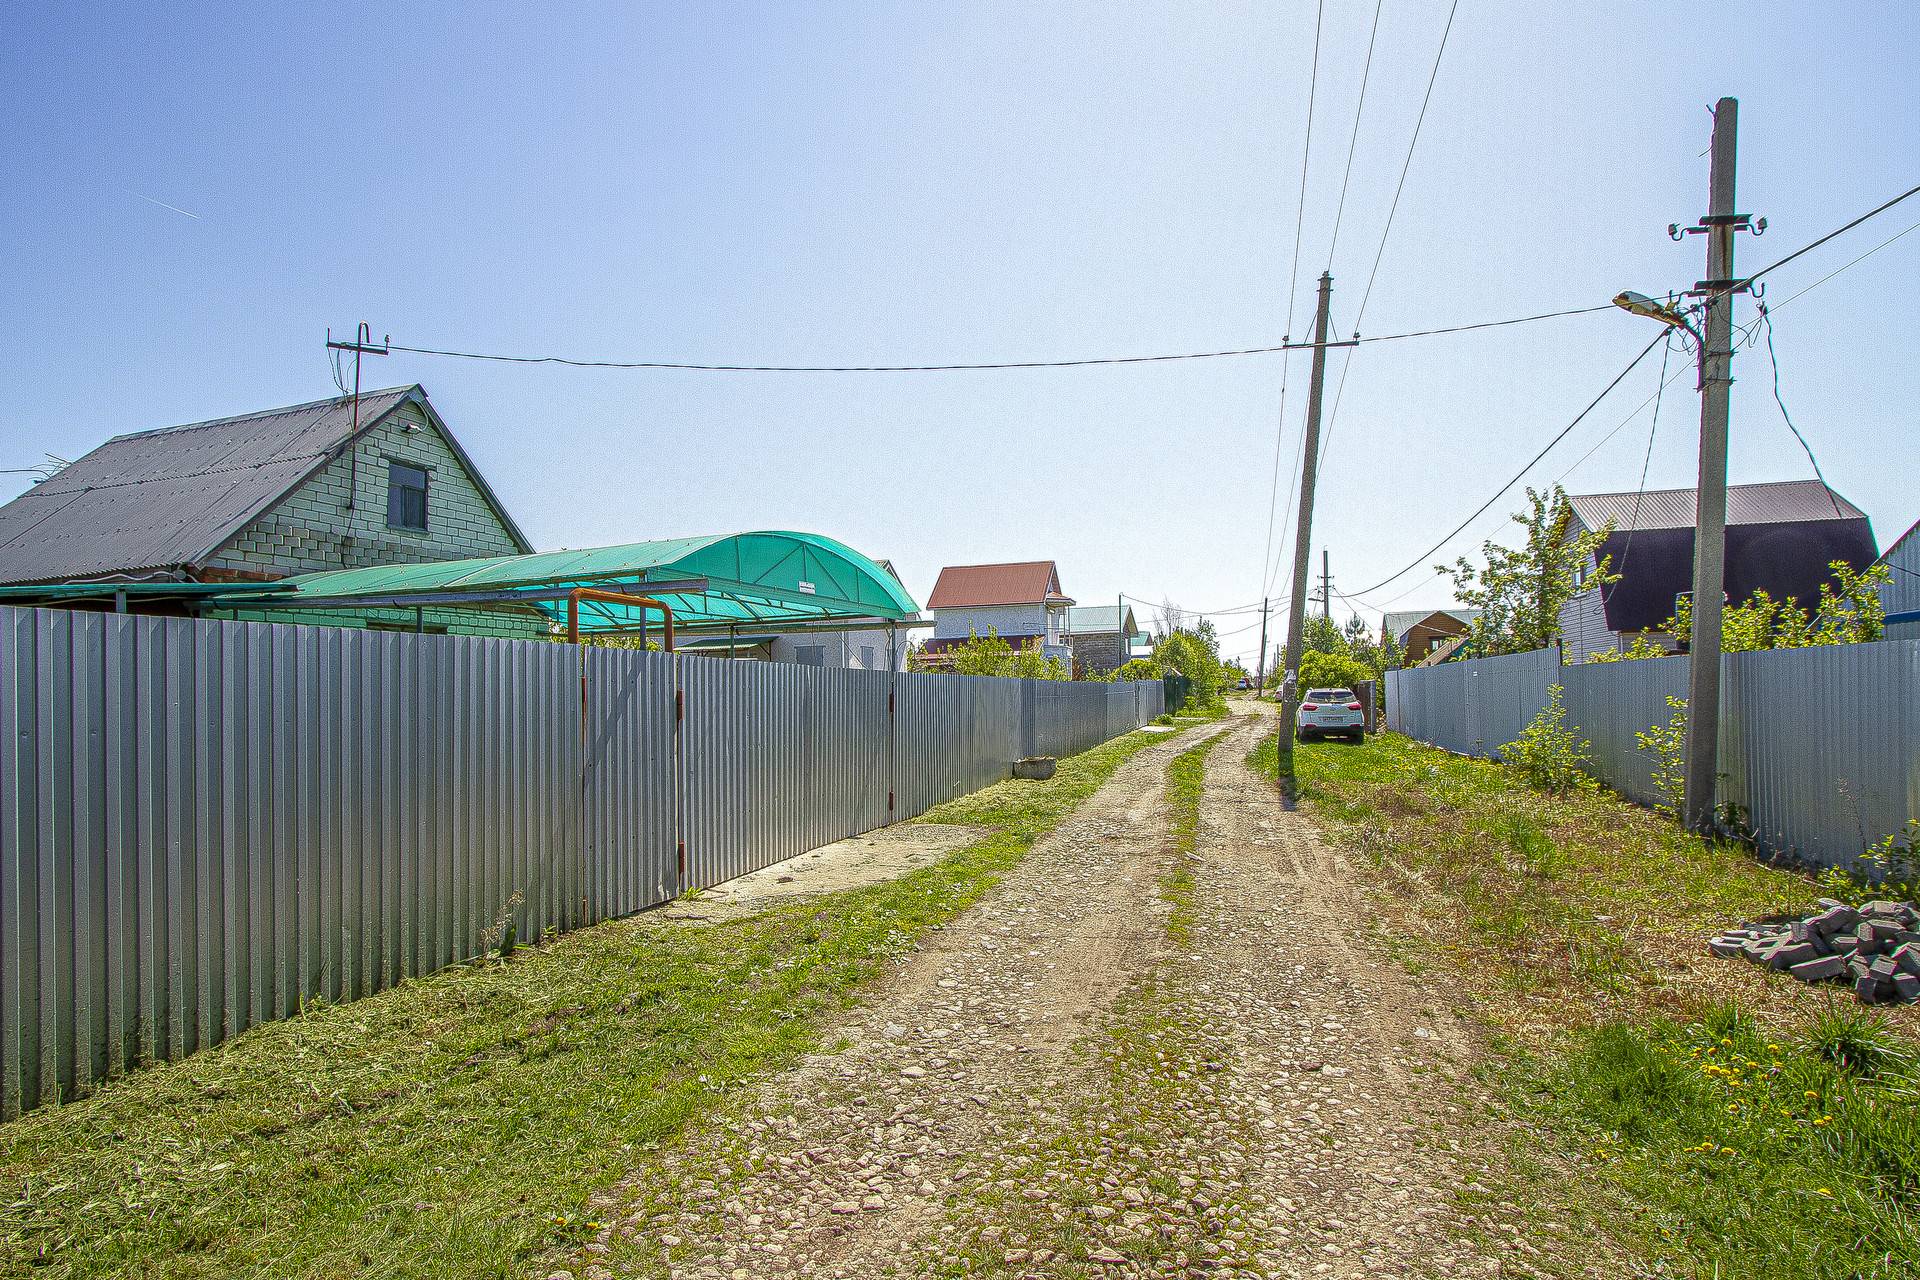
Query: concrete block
[1820, 969]
[1867, 988]
[1906, 986]
[1844, 944]
[1834, 919]
[1800, 931]
[1885, 933]
[1787, 954]
[1883, 969]
[1727, 948]
[1883, 907]
[1907, 958]
[1859, 969]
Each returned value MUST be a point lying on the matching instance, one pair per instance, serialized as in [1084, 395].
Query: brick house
[270, 495]
[1099, 643]
[1022, 601]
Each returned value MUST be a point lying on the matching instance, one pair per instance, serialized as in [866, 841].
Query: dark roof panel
[1784, 502]
[154, 499]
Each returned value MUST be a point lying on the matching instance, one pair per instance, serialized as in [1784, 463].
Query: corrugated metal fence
[203, 824]
[1820, 745]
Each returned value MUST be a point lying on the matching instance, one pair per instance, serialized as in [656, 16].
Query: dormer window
[406, 497]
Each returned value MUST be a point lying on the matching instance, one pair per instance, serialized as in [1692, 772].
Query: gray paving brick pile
[1873, 948]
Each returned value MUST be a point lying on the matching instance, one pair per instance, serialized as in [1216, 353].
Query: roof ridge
[230, 419]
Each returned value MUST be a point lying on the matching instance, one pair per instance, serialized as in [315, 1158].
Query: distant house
[1780, 539]
[1901, 595]
[1100, 643]
[1023, 602]
[855, 647]
[1414, 633]
[265, 496]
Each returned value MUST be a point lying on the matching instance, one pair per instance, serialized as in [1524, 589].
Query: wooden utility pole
[1710, 515]
[1260, 680]
[1303, 532]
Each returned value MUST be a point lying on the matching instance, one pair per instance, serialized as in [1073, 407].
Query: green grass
[458, 1125]
[1752, 1156]
[1186, 779]
[1724, 1120]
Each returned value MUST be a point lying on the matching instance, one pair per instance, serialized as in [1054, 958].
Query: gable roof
[972, 586]
[1783, 502]
[156, 500]
[1097, 619]
[1401, 621]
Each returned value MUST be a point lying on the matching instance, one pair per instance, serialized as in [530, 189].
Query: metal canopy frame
[765, 580]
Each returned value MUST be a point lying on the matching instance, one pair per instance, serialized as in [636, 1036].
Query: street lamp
[1641, 305]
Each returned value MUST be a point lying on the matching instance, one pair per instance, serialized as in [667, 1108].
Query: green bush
[1547, 755]
[1330, 671]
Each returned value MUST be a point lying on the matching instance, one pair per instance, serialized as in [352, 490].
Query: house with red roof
[1023, 602]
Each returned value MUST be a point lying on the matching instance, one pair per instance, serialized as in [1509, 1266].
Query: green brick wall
[313, 528]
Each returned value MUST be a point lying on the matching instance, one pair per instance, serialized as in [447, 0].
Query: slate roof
[1783, 502]
[1097, 619]
[1400, 621]
[973, 586]
[156, 500]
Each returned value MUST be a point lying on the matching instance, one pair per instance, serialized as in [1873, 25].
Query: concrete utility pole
[1326, 586]
[1303, 533]
[1710, 516]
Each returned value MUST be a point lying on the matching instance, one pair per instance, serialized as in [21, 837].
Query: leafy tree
[989, 655]
[1520, 591]
[1321, 636]
[1330, 671]
[1548, 755]
[1135, 669]
[1195, 653]
[1850, 611]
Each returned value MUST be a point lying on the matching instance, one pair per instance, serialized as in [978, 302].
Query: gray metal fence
[203, 824]
[1821, 746]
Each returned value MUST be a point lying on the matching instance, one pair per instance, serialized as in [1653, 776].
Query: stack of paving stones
[1874, 948]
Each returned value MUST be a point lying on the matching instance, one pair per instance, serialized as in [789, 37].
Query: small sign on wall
[806, 588]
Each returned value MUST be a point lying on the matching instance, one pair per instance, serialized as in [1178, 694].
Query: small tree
[989, 655]
[1547, 754]
[1520, 591]
[1668, 745]
[1330, 671]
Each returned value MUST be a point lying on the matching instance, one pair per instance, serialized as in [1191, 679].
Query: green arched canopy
[766, 578]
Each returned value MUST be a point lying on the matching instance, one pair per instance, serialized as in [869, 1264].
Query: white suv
[1329, 711]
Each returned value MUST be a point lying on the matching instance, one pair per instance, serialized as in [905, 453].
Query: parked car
[1331, 711]
[1246, 682]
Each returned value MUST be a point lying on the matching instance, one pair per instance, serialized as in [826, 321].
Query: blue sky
[907, 184]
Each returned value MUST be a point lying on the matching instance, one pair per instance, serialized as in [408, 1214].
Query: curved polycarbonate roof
[765, 577]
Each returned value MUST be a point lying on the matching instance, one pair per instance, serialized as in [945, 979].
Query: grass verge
[1705, 1104]
[462, 1124]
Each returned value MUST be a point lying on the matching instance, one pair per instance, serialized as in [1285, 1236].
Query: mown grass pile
[458, 1125]
[1736, 1122]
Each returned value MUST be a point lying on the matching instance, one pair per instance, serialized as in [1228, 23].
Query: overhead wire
[1775, 360]
[1293, 289]
[1518, 476]
[1406, 166]
[1633, 525]
[1353, 141]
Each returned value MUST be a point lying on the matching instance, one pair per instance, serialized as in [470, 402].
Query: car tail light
[1353, 706]
[1309, 706]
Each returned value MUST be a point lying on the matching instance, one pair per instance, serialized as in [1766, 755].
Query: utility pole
[1303, 532]
[362, 345]
[1326, 587]
[1710, 516]
[1260, 681]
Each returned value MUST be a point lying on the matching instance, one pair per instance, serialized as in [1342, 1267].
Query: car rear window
[1329, 695]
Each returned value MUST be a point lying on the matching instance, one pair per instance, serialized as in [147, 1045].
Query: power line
[1830, 235]
[954, 368]
[1353, 141]
[1775, 359]
[1837, 270]
[1346, 362]
[1293, 288]
[1658, 339]
[1646, 463]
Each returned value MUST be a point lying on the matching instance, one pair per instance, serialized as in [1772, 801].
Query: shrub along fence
[204, 824]
[1820, 746]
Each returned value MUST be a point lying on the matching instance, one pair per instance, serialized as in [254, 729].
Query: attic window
[406, 497]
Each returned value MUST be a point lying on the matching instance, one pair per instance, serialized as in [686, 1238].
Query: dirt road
[1126, 1061]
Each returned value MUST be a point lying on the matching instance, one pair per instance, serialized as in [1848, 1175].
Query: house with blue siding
[1901, 594]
